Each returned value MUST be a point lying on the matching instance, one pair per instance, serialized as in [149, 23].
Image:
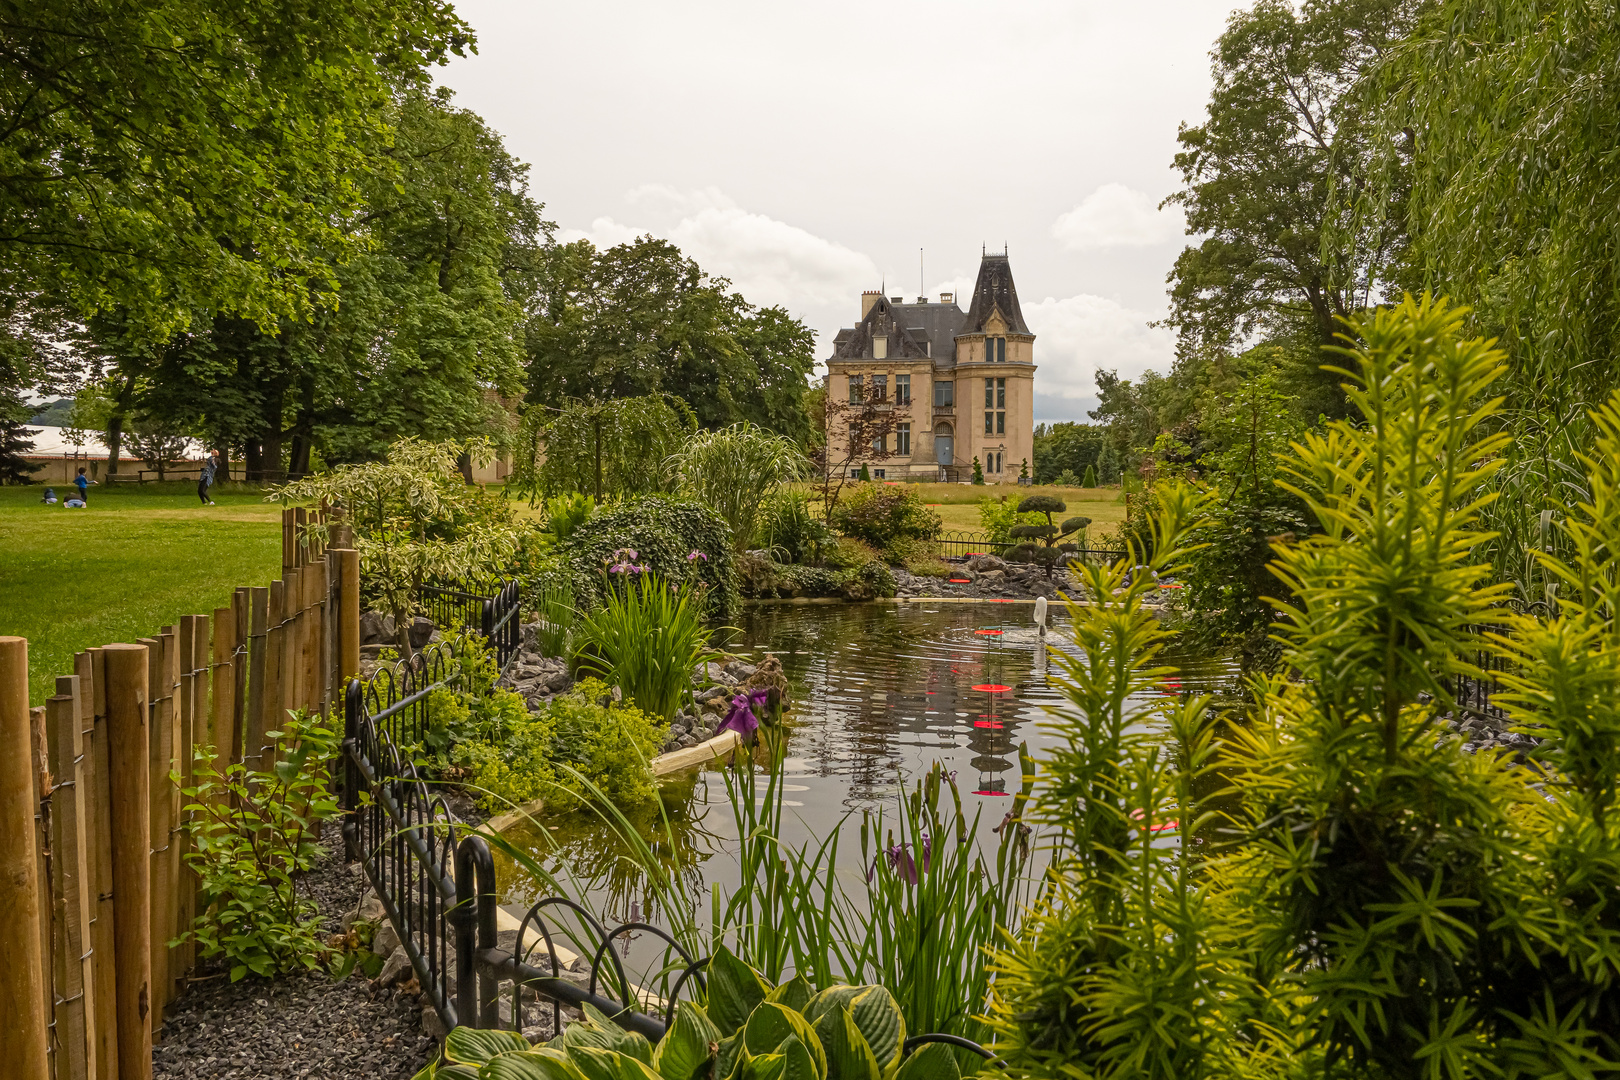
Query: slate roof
[994, 289]
[930, 330]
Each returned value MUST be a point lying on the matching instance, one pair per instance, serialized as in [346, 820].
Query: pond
[878, 694]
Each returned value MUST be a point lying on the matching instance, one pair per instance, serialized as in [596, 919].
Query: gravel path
[299, 1027]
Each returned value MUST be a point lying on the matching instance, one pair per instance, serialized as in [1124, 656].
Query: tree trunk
[253, 454]
[270, 466]
[115, 442]
[464, 463]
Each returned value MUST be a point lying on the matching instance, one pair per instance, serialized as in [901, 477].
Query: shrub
[1090, 479]
[254, 833]
[849, 554]
[998, 516]
[645, 638]
[790, 531]
[880, 515]
[912, 552]
[663, 532]
[978, 472]
[872, 581]
[1066, 478]
[607, 743]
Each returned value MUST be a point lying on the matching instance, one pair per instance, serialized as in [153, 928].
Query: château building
[953, 385]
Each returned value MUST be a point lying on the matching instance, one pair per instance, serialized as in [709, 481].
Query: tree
[1048, 551]
[978, 472]
[865, 475]
[171, 155]
[606, 449]
[1500, 119]
[844, 433]
[16, 441]
[1066, 448]
[1090, 479]
[1284, 134]
[641, 318]
[1108, 465]
[156, 442]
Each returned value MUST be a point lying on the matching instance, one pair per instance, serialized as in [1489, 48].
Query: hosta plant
[748, 1030]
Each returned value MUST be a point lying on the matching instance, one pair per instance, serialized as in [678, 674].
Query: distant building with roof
[962, 384]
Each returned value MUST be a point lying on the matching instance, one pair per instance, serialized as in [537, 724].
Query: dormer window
[995, 350]
[880, 347]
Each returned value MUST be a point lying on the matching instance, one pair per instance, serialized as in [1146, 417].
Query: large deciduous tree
[1280, 255]
[415, 336]
[161, 156]
[641, 318]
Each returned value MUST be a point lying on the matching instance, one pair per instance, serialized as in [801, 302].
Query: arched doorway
[944, 444]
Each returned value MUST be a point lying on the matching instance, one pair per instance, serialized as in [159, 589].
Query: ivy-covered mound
[677, 540]
[748, 1030]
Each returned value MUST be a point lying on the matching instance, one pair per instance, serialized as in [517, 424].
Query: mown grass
[135, 560]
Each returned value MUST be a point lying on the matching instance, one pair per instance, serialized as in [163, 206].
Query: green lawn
[137, 559]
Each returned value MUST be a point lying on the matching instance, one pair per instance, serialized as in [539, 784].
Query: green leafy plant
[253, 832]
[415, 519]
[790, 531]
[1089, 480]
[664, 533]
[997, 517]
[880, 515]
[645, 639]
[555, 616]
[747, 1030]
[734, 471]
[978, 472]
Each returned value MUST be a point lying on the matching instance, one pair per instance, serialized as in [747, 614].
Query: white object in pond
[1040, 616]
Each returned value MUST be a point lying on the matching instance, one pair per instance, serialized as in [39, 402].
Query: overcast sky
[807, 151]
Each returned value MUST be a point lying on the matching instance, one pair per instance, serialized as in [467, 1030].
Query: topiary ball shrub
[880, 515]
[663, 532]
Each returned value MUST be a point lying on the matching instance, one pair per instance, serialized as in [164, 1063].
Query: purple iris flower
[696, 555]
[902, 863]
[742, 718]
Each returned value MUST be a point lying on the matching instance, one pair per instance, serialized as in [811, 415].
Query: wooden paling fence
[93, 879]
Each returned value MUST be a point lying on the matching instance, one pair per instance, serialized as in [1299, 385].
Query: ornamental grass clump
[645, 638]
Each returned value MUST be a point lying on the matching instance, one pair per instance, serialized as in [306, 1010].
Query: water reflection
[879, 692]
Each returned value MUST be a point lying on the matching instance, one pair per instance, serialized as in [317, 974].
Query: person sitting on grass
[49, 498]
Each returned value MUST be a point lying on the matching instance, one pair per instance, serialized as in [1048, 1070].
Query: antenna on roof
[922, 289]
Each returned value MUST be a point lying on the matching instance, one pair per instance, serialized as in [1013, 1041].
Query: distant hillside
[55, 413]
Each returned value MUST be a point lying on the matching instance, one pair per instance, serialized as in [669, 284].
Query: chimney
[922, 299]
[946, 298]
[897, 299]
[868, 298]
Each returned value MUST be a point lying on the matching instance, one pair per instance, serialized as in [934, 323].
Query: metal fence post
[488, 985]
[352, 701]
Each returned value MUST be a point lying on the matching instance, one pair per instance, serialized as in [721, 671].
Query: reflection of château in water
[881, 690]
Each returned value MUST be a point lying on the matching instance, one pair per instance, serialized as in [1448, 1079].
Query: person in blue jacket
[206, 481]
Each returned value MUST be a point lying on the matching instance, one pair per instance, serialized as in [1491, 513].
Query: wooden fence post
[22, 971]
[71, 879]
[348, 620]
[220, 735]
[253, 727]
[97, 805]
[241, 611]
[128, 724]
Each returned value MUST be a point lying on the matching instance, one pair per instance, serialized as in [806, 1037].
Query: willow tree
[1502, 117]
[604, 448]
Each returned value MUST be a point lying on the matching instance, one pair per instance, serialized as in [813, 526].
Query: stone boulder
[421, 631]
[981, 561]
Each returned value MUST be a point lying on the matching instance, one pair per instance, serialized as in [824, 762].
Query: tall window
[995, 404]
[902, 389]
[995, 350]
[880, 445]
[902, 439]
[855, 394]
[880, 387]
[944, 394]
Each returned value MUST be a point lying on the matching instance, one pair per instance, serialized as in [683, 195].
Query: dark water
[878, 693]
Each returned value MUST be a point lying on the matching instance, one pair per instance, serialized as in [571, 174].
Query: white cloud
[1076, 335]
[768, 261]
[1117, 216]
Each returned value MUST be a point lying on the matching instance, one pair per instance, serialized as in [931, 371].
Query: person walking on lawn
[82, 482]
[206, 481]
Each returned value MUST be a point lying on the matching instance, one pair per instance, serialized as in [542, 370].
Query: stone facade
[961, 384]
